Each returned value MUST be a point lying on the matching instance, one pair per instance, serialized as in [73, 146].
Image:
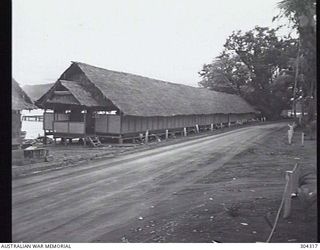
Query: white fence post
[185, 131]
[167, 134]
[290, 133]
[289, 136]
[197, 128]
[211, 127]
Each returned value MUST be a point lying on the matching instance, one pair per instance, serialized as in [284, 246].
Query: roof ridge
[153, 79]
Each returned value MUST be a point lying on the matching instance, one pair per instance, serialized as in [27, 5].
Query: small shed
[92, 101]
[20, 101]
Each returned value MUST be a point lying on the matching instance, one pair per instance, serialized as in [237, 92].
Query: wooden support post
[147, 136]
[197, 128]
[45, 138]
[296, 172]
[302, 139]
[167, 134]
[292, 178]
[121, 127]
[295, 180]
[43, 122]
[185, 131]
[287, 195]
[85, 124]
[211, 126]
[300, 120]
[120, 139]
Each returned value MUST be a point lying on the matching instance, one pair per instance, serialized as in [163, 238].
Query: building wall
[132, 124]
[115, 124]
[107, 124]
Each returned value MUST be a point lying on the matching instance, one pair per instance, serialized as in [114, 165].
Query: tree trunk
[296, 81]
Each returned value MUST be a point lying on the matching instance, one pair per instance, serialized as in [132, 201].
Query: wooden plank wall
[48, 119]
[109, 124]
[76, 127]
[134, 124]
[131, 124]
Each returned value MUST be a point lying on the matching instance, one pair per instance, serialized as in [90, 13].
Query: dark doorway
[90, 122]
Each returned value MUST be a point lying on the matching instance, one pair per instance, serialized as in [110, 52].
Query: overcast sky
[163, 39]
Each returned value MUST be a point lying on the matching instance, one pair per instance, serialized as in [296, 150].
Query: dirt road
[103, 200]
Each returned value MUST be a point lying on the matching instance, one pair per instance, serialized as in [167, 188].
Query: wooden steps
[93, 141]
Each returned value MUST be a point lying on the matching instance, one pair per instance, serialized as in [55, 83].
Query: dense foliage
[257, 65]
[302, 16]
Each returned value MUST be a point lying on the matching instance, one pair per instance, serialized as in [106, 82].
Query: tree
[224, 75]
[252, 62]
[302, 15]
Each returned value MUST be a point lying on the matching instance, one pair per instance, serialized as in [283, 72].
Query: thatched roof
[37, 90]
[69, 93]
[82, 95]
[20, 100]
[63, 99]
[141, 96]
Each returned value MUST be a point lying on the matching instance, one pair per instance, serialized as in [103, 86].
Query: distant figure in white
[290, 131]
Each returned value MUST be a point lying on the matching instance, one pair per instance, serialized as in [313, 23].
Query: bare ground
[247, 189]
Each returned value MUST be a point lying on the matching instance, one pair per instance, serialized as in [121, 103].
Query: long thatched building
[20, 101]
[88, 100]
